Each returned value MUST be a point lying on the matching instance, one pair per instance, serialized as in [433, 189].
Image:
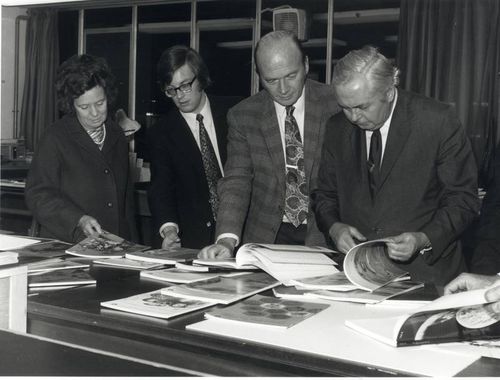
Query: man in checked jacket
[274, 147]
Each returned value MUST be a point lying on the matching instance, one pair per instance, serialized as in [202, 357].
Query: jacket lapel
[81, 137]
[272, 137]
[399, 132]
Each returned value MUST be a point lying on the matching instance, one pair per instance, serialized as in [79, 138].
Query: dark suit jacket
[252, 193]
[179, 188]
[486, 256]
[428, 183]
[70, 177]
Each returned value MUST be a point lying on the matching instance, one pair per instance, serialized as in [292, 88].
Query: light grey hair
[370, 62]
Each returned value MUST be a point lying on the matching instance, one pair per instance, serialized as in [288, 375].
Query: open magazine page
[368, 266]
[452, 318]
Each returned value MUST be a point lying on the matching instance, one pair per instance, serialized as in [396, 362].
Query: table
[23, 355]
[74, 315]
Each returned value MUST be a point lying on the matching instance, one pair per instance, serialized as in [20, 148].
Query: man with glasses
[188, 151]
[274, 145]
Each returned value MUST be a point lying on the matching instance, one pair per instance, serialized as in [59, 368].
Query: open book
[284, 262]
[451, 318]
[105, 245]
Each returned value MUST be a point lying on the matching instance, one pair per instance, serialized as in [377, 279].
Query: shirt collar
[299, 105]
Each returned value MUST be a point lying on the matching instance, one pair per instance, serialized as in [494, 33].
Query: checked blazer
[252, 192]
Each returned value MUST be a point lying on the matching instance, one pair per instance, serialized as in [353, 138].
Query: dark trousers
[289, 234]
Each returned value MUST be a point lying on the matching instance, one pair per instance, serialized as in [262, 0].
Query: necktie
[98, 135]
[374, 160]
[210, 164]
[296, 202]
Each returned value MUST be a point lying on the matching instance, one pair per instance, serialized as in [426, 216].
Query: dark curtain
[450, 50]
[39, 108]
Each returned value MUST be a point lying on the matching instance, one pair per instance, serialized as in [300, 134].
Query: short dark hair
[177, 56]
[81, 73]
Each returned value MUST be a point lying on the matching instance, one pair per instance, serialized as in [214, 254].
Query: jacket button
[209, 224]
[110, 204]
[106, 171]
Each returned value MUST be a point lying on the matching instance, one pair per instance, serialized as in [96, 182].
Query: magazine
[11, 242]
[56, 264]
[268, 311]
[224, 290]
[368, 266]
[229, 263]
[44, 249]
[451, 318]
[64, 277]
[156, 304]
[287, 262]
[105, 245]
[337, 281]
[8, 257]
[168, 256]
[180, 276]
[123, 262]
[207, 269]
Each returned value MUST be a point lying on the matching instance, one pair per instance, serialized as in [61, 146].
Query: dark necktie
[210, 164]
[296, 202]
[374, 160]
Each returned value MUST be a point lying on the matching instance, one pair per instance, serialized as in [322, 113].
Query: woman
[78, 182]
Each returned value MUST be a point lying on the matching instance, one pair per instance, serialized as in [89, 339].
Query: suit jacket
[428, 183]
[486, 256]
[70, 177]
[252, 193]
[179, 188]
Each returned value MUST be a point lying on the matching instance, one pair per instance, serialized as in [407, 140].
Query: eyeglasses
[185, 88]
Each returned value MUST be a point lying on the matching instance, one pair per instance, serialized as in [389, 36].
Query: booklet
[45, 249]
[64, 277]
[156, 304]
[56, 264]
[267, 311]
[337, 281]
[184, 277]
[287, 262]
[123, 262]
[452, 318]
[105, 245]
[224, 290]
[169, 256]
[368, 266]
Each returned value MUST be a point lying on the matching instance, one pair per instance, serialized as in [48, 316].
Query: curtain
[450, 50]
[39, 106]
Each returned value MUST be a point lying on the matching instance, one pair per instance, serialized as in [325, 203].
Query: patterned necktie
[296, 202]
[374, 160]
[210, 164]
[98, 135]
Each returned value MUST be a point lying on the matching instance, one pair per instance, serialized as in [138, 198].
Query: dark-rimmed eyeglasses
[185, 88]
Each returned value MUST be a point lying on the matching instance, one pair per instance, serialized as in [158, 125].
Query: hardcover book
[224, 290]
[180, 276]
[123, 262]
[45, 249]
[451, 318]
[106, 245]
[56, 264]
[267, 311]
[169, 256]
[65, 277]
[156, 304]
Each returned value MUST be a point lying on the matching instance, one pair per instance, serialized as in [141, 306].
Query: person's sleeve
[486, 256]
[53, 209]
[324, 199]
[161, 193]
[457, 172]
[235, 187]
